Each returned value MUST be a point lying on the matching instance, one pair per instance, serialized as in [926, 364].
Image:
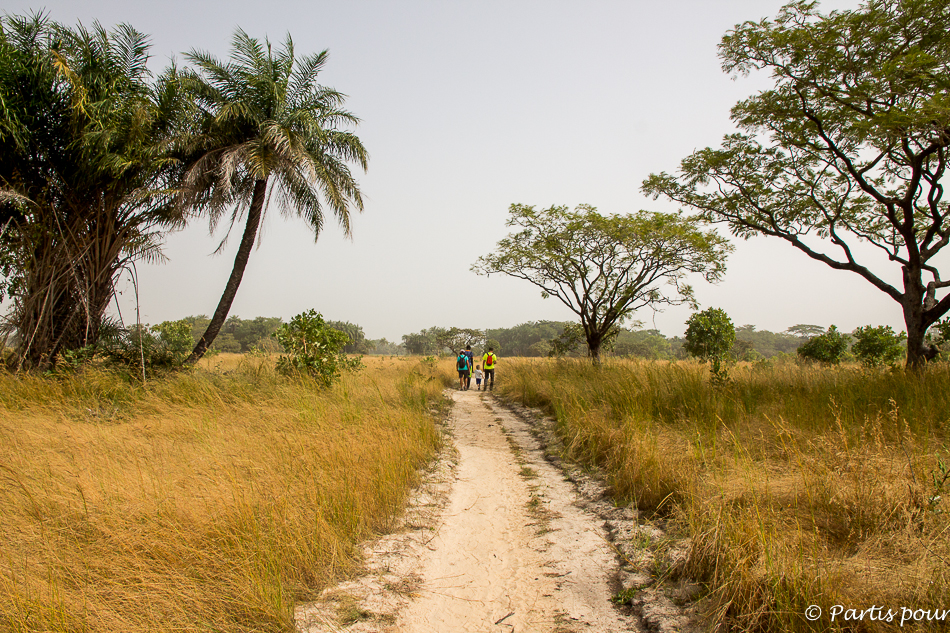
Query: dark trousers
[489, 376]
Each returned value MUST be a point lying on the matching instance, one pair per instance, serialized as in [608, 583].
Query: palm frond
[269, 118]
[305, 73]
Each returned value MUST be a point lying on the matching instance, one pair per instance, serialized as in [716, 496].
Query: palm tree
[265, 126]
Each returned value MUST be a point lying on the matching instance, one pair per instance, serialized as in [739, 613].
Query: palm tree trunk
[237, 273]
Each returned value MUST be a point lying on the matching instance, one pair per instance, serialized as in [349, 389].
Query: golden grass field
[216, 499]
[797, 485]
[209, 500]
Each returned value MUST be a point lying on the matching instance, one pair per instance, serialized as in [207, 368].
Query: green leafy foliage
[828, 348]
[456, 338]
[768, 344]
[604, 268]
[538, 338]
[649, 344]
[314, 348]
[382, 347]
[421, 343]
[176, 337]
[357, 343]
[805, 330]
[440, 340]
[938, 337]
[710, 335]
[878, 345]
[744, 350]
[136, 348]
[526, 339]
[85, 167]
[239, 335]
[569, 341]
[848, 146]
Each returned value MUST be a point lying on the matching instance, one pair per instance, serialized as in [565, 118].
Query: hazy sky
[466, 108]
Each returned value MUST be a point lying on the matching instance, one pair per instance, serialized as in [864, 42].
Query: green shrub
[878, 345]
[939, 337]
[744, 350]
[828, 348]
[314, 348]
[162, 346]
[175, 337]
[710, 335]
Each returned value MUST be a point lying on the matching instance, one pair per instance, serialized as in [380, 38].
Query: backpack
[489, 361]
[462, 362]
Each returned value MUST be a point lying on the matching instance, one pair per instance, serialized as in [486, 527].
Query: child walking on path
[478, 377]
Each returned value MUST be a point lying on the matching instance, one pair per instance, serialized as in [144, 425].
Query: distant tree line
[239, 335]
[530, 339]
[562, 338]
[870, 345]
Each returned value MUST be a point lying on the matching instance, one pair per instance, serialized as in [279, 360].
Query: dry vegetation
[208, 500]
[797, 485]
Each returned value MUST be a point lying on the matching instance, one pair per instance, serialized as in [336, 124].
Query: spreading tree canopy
[604, 268]
[849, 146]
[436, 340]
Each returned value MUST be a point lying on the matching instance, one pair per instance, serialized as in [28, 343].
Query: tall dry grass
[211, 500]
[797, 485]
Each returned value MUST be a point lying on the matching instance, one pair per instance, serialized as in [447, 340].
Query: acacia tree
[604, 268]
[455, 338]
[850, 145]
[435, 340]
[265, 122]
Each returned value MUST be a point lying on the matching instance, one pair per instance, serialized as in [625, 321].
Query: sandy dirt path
[498, 540]
[512, 543]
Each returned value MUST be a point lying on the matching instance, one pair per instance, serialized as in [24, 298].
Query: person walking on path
[462, 364]
[488, 362]
[471, 366]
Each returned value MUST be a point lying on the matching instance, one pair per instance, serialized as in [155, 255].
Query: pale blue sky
[468, 107]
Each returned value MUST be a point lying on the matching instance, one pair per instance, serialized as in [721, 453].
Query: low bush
[828, 348]
[878, 345]
[314, 348]
[710, 335]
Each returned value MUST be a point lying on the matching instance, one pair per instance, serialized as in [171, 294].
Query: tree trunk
[916, 322]
[918, 352]
[593, 349]
[237, 273]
